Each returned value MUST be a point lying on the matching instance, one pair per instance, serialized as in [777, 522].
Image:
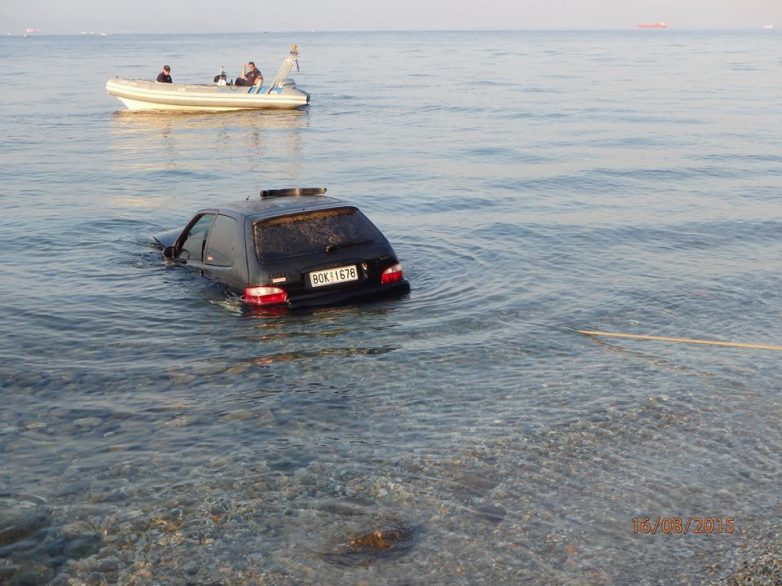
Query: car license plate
[333, 276]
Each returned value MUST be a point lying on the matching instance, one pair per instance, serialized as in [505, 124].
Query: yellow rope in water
[679, 340]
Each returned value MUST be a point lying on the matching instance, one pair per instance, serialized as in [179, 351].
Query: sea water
[532, 183]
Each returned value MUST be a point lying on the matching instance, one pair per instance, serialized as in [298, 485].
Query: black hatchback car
[290, 247]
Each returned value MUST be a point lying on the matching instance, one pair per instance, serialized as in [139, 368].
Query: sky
[223, 16]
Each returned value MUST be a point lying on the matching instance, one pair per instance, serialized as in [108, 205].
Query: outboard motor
[221, 78]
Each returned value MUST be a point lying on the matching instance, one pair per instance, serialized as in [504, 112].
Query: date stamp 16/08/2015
[684, 525]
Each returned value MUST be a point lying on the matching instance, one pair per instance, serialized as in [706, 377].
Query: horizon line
[422, 30]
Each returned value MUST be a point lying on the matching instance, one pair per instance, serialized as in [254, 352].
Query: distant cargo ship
[660, 24]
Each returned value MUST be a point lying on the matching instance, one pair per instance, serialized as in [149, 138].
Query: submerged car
[289, 247]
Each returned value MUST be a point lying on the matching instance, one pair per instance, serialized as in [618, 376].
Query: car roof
[270, 207]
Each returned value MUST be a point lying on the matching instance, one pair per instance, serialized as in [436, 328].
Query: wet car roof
[279, 206]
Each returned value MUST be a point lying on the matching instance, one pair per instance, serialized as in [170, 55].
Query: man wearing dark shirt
[250, 75]
[164, 76]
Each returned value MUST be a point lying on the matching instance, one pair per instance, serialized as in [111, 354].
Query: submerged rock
[491, 513]
[376, 539]
[35, 575]
[381, 543]
[16, 525]
[81, 545]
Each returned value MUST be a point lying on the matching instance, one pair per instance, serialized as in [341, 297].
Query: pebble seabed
[430, 520]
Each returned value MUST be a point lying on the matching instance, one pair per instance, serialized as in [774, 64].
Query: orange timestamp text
[684, 525]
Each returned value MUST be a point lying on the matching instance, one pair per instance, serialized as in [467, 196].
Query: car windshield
[318, 231]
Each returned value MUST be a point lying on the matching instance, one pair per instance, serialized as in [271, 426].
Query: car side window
[192, 249]
[221, 248]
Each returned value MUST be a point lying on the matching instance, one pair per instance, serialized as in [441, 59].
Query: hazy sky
[112, 16]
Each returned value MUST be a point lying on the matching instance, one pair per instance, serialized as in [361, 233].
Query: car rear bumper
[339, 297]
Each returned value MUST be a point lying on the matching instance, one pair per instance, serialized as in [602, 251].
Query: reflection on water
[128, 122]
[144, 139]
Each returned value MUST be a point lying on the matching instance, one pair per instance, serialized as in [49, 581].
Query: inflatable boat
[282, 93]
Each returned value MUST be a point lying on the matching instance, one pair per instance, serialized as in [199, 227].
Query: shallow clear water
[532, 184]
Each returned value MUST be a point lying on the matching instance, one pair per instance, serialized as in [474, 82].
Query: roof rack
[293, 191]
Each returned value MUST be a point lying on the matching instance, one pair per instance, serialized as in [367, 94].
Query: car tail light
[392, 274]
[264, 295]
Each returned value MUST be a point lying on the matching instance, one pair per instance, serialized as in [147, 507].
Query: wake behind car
[290, 247]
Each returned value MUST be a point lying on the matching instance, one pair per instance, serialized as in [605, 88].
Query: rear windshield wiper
[341, 245]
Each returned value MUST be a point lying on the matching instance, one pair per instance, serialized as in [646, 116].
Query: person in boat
[165, 75]
[250, 76]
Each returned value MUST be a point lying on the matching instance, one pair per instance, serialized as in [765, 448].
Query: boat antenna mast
[287, 64]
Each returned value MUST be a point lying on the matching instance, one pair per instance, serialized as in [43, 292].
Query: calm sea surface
[532, 184]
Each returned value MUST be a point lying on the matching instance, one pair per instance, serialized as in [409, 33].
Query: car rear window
[310, 232]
